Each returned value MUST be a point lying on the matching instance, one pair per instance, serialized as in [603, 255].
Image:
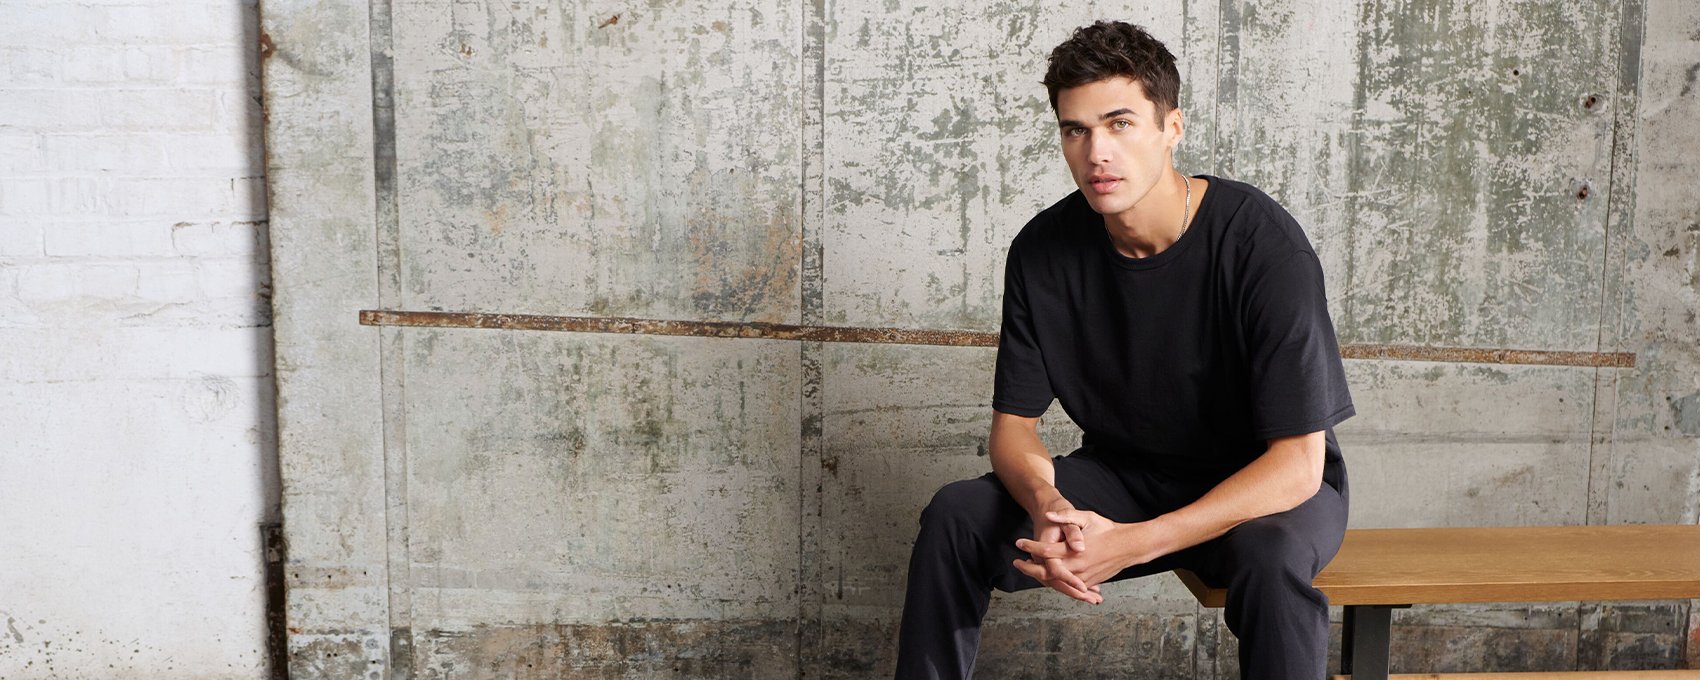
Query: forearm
[1021, 461]
[1286, 475]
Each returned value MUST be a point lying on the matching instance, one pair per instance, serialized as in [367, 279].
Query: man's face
[1114, 147]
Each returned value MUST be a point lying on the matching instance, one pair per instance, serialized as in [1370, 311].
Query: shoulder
[1257, 223]
[1052, 225]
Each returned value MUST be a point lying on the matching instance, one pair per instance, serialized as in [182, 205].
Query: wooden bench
[1379, 570]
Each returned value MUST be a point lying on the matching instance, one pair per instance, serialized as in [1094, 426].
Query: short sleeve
[1298, 384]
[1021, 386]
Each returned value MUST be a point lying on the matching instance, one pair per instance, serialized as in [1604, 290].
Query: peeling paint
[629, 180]
[1687, 414]
[334, 656]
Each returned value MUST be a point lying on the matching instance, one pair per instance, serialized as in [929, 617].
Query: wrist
[1043, 499]
[1128, 545]
[1164, 534]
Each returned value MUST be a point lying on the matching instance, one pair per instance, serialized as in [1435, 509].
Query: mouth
[1103, 184]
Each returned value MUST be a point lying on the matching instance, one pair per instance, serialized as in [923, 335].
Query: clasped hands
[1072, 551]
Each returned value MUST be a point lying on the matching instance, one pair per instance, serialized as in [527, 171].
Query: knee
[1270, 552]
[960, 503]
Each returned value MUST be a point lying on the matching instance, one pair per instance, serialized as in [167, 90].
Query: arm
[1023, 465]
[1287, 474]
[1022, 462]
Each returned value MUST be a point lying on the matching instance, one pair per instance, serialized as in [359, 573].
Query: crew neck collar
[1174, 249]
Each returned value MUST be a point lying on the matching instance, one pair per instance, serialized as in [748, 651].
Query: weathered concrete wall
[319, 178]
[479, 503]
[137, 458]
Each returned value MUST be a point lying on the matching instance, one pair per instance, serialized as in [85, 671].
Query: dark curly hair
[1108, 49]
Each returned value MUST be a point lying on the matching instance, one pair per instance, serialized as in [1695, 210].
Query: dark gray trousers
[967, 541]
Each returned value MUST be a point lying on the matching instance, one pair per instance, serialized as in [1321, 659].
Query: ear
[1174, 122]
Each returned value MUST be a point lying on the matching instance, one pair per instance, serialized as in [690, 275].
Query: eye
[1120, 124]
[1074, 132]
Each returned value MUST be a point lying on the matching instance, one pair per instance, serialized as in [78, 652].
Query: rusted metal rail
[946, 338]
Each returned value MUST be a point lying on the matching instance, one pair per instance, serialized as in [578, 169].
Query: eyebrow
[1064, 123]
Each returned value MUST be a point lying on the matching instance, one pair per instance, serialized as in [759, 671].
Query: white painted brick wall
[135, 341]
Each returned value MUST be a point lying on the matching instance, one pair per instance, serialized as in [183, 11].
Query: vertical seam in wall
[392, 363]
[1224, 11]
[274, 548]
[813, 183]
[1354, 176]
[1619, 212]
[1617, 216]
[811, 198]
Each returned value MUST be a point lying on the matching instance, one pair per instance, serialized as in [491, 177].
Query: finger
[1062, 575]
[1075, 517]
[1037, 573]
[1032, 570]
[1071, 591]
[1055, 567]
[1041, 550]
[1075, 536]
[1083, 596]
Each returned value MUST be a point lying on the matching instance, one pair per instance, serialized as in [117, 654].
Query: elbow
[1298, 491]
[1310, 481]
[1303, 458]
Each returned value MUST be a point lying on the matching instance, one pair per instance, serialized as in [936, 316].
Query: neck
[1154, 223]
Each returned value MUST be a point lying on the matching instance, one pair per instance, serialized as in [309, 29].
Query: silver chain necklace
[1186, 209]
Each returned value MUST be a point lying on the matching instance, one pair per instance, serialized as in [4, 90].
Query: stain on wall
[492, 503]
[559, 161]
[587, 479]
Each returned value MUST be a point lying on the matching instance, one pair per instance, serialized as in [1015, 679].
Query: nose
[1099, 149]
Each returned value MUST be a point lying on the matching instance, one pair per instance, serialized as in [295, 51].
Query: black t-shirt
[1186, 361]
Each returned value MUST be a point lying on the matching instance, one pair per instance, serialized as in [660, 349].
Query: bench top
[1505, 564]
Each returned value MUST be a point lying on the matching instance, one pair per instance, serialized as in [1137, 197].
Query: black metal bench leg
[1365, 636]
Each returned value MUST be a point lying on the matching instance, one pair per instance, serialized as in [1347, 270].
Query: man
[1181, 322]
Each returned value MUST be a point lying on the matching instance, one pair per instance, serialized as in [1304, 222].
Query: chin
[1105, 205]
